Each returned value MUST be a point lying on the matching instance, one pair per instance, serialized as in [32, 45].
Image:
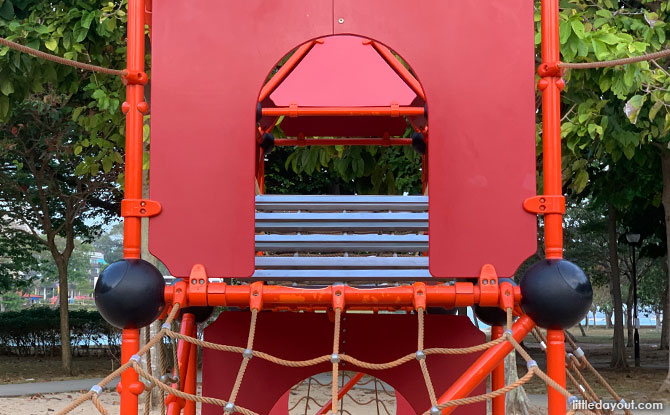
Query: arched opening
[342, 121]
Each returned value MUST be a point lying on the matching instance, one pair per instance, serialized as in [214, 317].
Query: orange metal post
[398, 67]
[191, 375]
[484, 365]
[135, 107]
[551, 85]
[343, 111]
[556, 370]
[498, 378]
[174, 404]
[345, 389]
[130, 387]
[285, 70]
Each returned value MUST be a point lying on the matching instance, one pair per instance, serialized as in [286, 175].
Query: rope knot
[230, 407]
[420, 355]
[248, 353]
[96, 389]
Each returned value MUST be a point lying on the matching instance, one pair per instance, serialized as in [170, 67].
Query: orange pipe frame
[498, 377]
[398, 67]
[175, 404]
[285, 70]
[295, 111]
[340, 394]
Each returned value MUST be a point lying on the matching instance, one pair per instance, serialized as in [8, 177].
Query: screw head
[340, 20]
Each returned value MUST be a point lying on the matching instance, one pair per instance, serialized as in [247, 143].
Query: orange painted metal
[340, 394]
[551, 85]
[399, 68]
[175, 404]
[556, 371]
[285, 70]
[134, 124]
[130, 387]
[343, 142]
[296, 111]
[545, 205]
[488, 286]
[484, 365]
[498, 378]
[140, 208]
[198, 283]
[191, 375]
[275, 297]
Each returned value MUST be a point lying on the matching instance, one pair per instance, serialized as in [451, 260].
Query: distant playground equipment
[332, 283]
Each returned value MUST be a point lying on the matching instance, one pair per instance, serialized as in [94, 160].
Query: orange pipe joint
[391, 111]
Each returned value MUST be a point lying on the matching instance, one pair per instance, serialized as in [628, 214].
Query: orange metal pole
[551, 85]
[498, 377]
[302, 142]
[174, 404]
[399, 68]
[340, 394]
[486, 363]
[130, 387]
[134, 107]
[191, 375]
[343, 111]
[285, 70]
[556, 371]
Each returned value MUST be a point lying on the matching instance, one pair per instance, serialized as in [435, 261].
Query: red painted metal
[343, 142]
[498, 378]
[344, 126]
[343, 71]
[342, 111]
[325, 409]
[551, 85]
[275, 297]
[130, 387]
[469, 148]
[556, 371]
[134, 124]
[298, 336]
[484, 365]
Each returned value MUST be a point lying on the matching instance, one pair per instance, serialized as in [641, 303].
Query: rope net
[229, 406]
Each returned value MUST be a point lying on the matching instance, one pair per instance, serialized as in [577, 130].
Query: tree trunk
[516, 401]
[629, 316]
[665, 326]
[658, 320]
[586, 321]
[66, 348]
[595, 323]
[618, 345]
[665, 164]
[608, 320]
[581, 328]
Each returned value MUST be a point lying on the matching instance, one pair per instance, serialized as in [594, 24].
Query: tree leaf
[51, 44]
[7, 10]
[654, 110]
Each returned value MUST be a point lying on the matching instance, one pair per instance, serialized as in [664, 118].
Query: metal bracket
[135, 77]
[256, 296]
[549, 70]
[543, 204]
[197, 285]
[419, 296]
[488, 286]
[140, 208]
[338, 296]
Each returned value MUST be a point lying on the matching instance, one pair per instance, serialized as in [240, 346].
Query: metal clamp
[132, 77]
[140, 208]
[96, 389]
[543, 204]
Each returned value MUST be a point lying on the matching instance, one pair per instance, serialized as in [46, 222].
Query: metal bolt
[340, 20]
[202, 281]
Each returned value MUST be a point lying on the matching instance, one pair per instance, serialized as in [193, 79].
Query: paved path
[23, 389]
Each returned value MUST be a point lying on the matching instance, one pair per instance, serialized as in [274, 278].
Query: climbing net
[335, 358]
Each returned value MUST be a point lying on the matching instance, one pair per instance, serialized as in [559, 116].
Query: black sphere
[268, 143]
[556, 294]
[201, 313]
[129, 293]
[419, 143]
[493, 316]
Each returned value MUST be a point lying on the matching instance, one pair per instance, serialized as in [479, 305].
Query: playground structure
[471, 105]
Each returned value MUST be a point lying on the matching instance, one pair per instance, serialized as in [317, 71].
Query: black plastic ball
[268, 143]
[130, 293]
[556, 294]
[201, 313]
[419, 143]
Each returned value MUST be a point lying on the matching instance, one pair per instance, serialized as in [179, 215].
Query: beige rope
[89, 395]
[336, 365]
[98, 404]
[245, 360]
[58, 59]
[147, 394]
[625, 61]
[163, 367]
[510, 318]
[422, 360]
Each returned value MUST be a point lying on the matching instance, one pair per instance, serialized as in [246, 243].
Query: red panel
[340, 72]
[475, 61]
[299, 336]
[209, 61]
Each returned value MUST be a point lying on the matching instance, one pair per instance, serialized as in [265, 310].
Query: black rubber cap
[556, 294]
[268, 143]
[130, 293]
[419, 143]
